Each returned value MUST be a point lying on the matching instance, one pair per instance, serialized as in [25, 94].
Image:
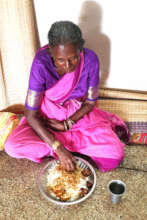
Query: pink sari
[92, 135]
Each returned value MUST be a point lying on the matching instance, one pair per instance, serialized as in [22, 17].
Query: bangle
[55, 145]
[70, 123]
[65, 126]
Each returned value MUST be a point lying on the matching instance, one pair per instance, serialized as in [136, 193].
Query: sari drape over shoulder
[93, 135]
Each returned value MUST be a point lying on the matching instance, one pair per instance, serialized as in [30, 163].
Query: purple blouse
[43, 75]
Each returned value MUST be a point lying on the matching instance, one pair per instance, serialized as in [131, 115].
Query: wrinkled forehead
[65, 50]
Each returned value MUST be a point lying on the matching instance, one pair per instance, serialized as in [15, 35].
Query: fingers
[74, 160]
[53, 121]
[66, 158]
[69, 165]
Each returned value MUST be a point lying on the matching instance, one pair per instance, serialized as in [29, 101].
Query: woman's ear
[50, 50]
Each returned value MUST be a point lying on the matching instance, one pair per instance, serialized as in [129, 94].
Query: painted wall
[115, 29]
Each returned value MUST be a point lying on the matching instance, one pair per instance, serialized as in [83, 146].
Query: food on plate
[86, 172]
[83, 192]
[68, 186]
[89, 184]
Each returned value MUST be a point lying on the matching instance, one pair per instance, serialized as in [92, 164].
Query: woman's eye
[60, 60]
[73, 58]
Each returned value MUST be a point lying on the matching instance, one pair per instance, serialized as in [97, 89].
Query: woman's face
[66, 57]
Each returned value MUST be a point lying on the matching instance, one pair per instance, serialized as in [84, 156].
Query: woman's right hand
[66, 158]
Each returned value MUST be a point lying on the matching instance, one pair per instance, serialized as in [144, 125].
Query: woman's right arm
[65, 157]
[37, 124]
[37, 81]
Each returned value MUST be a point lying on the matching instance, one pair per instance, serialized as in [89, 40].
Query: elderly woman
[61, 116]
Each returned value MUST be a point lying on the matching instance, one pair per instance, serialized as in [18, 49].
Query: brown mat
[122, 94]
[133, 110]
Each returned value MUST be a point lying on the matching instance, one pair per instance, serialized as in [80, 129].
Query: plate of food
[67, 188]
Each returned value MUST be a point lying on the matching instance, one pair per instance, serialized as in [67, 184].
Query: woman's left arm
[86, 107]
[93, 84]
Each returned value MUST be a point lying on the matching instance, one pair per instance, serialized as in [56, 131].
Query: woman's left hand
[54, 124]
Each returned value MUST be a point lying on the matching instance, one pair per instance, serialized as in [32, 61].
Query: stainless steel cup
[116, 188]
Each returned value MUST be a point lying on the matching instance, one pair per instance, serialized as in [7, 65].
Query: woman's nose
[67, 65]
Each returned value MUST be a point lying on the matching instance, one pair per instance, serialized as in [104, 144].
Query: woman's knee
[10, 146]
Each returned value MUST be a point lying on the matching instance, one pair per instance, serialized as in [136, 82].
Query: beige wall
[18, 44]
[114, 29]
